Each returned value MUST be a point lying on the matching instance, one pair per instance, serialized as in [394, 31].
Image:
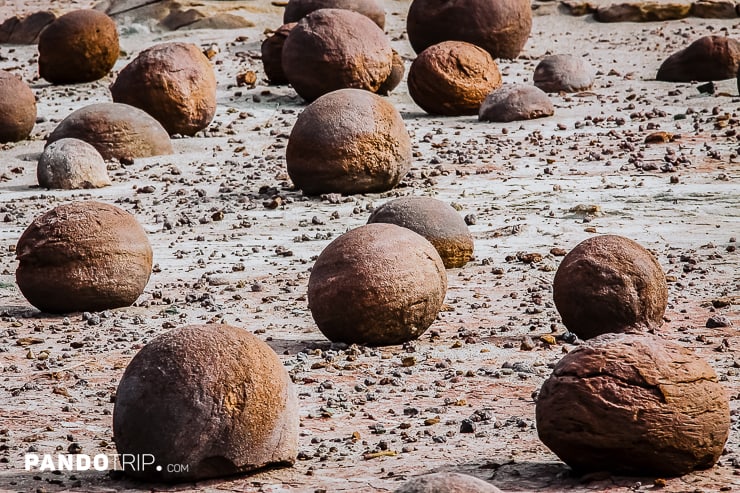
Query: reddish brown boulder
[447, 482]
[500, 27]
[610, 284]
[433, 219]
[25, 30]
[379, 284]
[173, 82]
[348, 141]
[396, 76]
[80, 46]
[514, 102]
[70, 164]
[17, 108]
[633, 404]
[272, 54]
[332, 49]
[298, 9]
[211, 397]
[708, 58]
[452, 78]
[564, 73]
[117, 131]
[83, 256]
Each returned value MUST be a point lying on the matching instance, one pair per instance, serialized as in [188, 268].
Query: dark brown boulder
[298, 9]
[706, 59]
[452, 78]
[81, 46]
[610, 284]
[379, 284]
[117, 131]
[83, 256]
[173, 82]
[17, 108]
[514, 102]
[25, 30]
[396, 76]
[500, 27]
[564, 73]
[272, 54]
[447, 482]
[633, 404]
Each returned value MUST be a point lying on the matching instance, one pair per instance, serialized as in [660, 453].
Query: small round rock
[212, 398]
[272, 54]
[514, 102]
[379, 284]
[80, 46]
[298, 9]
[564, 73]
[433, 219]
[447, 482]
[348, 141]
[17, 108]
[633, 404]
[70, 164]
[610, 283]
[452, 78]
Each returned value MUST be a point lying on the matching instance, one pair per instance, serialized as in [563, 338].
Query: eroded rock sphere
[447, 482]
[70, 164]
[17, 108]
[564, 73]
[396, 76]
[298, 9]
[514, 102]
[706, 59]
[272, 54]
[83, 256]
[379, 284]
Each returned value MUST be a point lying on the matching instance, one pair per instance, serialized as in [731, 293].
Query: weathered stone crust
[633, 404]
[514, 102]
[212, 397]
[298, 9]
[447, 482]
[379, 284]
[17, 108]
[564, 73]
[348, 141]
[272, 54]
[610, 284]
[433, 219]
[70, 164]
[706, 59]
[83, 256]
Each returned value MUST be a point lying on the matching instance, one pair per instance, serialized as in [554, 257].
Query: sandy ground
[522, 181]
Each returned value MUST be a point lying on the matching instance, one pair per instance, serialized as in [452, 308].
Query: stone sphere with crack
[71, 163]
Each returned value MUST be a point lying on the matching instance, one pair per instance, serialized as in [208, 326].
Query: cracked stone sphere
[71, 163]
[81, 46]
[83, 256]
[17, 108]
[379, 284]
[452, 78]
[501, 27]
[173, 82]
[706, 59]
[211, 398]
[298, 9]
[633, 404]
[564, 73]
[447, 482]
[272, 54]
[348, 141]
[610, 283]
[514, 102]
[433, 219]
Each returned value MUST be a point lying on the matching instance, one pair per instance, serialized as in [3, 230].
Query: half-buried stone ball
[70, 164]
[564, 73]
[633, 404]
[452, 78]
[298, 9]
[379, 284]
[706, 59]
[17, 108]
[514, 102]
[81, 46]
[433, 219]
[272, 54]
[213, 398]
[348, 141]
[447, 482]
[83, 256]
[607, 284]
[332, 49]
[173, 82]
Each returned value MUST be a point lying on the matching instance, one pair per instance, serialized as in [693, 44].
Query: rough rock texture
[396, 76]
[348, 141]
[298, 9]
[83, 256]
[433, 219]
[633, 404]
[714, 9]
[196, 19]
[513, 102]
[649, 11]
[452, 78]
[17, 108]
[117, 131]
[332, 49]
[607, 284]
[25, 30]
[80, 46]
[177, 14]
[70, 164]
[212, 397]
[272, 54]
[501, 27]
[379, 284]
[708, 58]
[447, 482]
[564, 73]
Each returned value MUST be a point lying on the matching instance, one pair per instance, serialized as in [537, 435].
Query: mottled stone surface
[514, 102]
[564, 73]
[17, 108]
[70, 164]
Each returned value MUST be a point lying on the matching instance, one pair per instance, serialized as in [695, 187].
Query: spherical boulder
[447, 482]
[379, 284]
[70, 164]
[452, 78]
[433, 219]
[83, 256]
[173, 82]
[348, 141]
[706, 59]
[211, 397]
[298, 9]
[17, 108]
[514, 102]
[633, 404]
[564, 73]
[80, 46]
[607, 284]
[332, 49]
[272, 54]
[500, 27]
[396, 76]
[117, 131]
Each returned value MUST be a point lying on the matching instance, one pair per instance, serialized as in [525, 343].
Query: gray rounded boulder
[447, 482]
[564, 73]
[70, 164]
[514, 102]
